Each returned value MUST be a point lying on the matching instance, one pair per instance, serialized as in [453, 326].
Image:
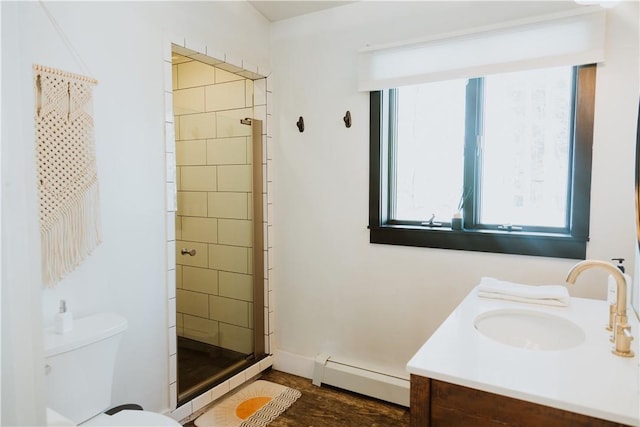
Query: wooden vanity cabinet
[440, 404]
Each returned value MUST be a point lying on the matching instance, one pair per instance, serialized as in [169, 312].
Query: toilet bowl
[79, 375]
[123, 418]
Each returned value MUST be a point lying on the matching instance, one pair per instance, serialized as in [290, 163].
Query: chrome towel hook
[191, 252]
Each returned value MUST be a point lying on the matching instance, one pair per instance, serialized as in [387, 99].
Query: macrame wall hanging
[67, 174]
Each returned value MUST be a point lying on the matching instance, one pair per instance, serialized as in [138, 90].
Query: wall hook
[347, 119]
[300, 124]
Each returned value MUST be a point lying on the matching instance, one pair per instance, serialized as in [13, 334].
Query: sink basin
[529, 329]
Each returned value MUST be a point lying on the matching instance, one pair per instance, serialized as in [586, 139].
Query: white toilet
[79, 375]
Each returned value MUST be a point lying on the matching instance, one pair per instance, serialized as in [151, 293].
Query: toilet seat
[132, 418]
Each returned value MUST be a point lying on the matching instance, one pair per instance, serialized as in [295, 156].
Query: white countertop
[587, 379]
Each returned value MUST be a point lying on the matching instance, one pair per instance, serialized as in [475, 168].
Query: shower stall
[219, 226]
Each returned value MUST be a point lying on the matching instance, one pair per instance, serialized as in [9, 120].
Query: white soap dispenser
[63, 321]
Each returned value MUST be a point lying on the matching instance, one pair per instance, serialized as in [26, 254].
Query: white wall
[374, 304]
[122, 45]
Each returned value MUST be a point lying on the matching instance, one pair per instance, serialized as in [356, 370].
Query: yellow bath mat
[255, 405]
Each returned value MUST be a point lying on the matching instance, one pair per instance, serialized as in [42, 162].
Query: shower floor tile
[201, 364]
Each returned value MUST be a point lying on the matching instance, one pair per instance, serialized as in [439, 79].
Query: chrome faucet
[621, 330]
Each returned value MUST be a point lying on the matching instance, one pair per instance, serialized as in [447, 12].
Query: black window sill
[496, 241]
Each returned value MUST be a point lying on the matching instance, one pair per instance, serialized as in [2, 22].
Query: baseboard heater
[364, 381]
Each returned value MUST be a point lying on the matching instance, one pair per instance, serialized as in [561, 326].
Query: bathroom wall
[215, 210]
[375, 305]
[122, 45]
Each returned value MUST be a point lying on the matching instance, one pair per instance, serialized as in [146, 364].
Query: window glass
[525, 148]
[429, 150]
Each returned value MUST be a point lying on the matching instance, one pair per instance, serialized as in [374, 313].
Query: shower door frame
[262, 310]
[258, 241]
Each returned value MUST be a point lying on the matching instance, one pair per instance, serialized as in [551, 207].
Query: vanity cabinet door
[440, 404]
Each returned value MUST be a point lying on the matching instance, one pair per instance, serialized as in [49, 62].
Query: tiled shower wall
[214, 181]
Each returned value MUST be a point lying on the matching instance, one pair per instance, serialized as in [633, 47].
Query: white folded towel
[547, 294]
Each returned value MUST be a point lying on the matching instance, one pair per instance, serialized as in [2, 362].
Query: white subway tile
[269, 103]
[267, 346]
[235, 178]
[227, 310]
[168, 76]
[172, 341]
[227, 205]
[266, 363]
[235, 232]
[169, 137]
[195, 73]
[236, 338]
[173, 376]
[225, 96]
[168, 107]
[207, 59]
[178, 277]
[172, 312]
[223, 76]
[203, 330]
[173, 395]
[228, 123]
[230, 151]
[192, 203]
[252, 371]
[170, 160]
[182, 412]
[220, 390]
[171, 226]
[200, 280]
[235, 285]
[171, 284]
[189, 101]
[191, 152]
[199, 229]
[201, 401]
[198, 178]
[171, 250]
[174, 77]
[192, 303]
[260, 92]
[248, 93]
[260, 113]
[237, 380]
[198, 126]
[272, 322]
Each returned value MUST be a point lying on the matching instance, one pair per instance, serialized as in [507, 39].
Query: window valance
[553, 40]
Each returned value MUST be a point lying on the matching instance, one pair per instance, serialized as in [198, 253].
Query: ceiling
[279, 10]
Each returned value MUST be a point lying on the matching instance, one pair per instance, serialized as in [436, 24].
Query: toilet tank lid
[86, 330]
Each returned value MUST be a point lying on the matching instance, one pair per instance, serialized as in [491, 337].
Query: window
[508, 153]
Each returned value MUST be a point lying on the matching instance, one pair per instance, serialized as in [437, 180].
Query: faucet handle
[623, 340]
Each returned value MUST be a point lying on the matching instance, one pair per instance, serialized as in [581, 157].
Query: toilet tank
[79, 365]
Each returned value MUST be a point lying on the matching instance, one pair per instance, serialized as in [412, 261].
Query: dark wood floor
[331, 407]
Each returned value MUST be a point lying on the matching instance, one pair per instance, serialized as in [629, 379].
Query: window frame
[570, 243]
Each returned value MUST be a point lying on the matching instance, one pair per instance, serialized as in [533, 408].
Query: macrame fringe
[71, 237]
